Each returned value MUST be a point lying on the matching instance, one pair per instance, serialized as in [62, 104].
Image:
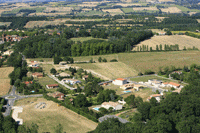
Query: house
[103, 118]
[121, 102]
[28, 82]
[36, 75]
[119, 81]
[126, 86]
[63, 74]
[114, 105]
[171, 84]
[34, 64]
[161, 33]
[137, 87]
[71, 81]
[154, 82]
[156, 96]
[52, 86]
[8, 52]
[57, 94]
[85, 77]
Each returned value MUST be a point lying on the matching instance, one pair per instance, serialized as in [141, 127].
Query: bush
[140, 74]
[148, 72]
[104, 60]
[113, 60]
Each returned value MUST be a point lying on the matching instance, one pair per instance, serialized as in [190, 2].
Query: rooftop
[121, 79]
[110, 103]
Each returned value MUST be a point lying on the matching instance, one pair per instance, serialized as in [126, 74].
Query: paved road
[12, 97]
[62, 83]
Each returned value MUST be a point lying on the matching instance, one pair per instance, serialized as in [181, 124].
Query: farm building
[71, 81]
[119, 81]
[156, 96]
[127, 86]
[52, 86]
[115, 106]
[103, 118]
[63, 74]
[36, 74]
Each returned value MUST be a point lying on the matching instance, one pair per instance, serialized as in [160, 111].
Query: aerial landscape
[96, 66]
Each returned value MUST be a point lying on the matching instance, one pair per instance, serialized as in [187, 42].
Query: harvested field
[142, 61]
[166, 0]
[118, 10]
[58, 9]
[181, 40]
[126, 5]
[4, 79]
[171, 10]
[144, 8]
[50, 116]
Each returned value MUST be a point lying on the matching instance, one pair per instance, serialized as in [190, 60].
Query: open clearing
[181, 40]
[5, 80]
[198, 20]
[50, 116]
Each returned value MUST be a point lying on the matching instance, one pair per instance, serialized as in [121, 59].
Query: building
[52, 86]
[103, 118]
[156, 96]
[36, 75]
[154, 82]
[127, 86]
[85, 77]
[137, 87]
[8, 52]
[63, 63]
[28, 82]
[114, 105]
[171, 84]
[58, 95]
[71, 81]
[34, 64]
[119, 81]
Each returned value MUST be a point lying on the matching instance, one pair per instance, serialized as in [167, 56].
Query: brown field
[142, 61]
[58, 9]
[144, 8]
[171, 10]
[4, 79]
[125, 5]
[31, 24]
[113, 11]
[50, 116]
[5, 23]
[166, 0]
[48, 14]
[181, 40]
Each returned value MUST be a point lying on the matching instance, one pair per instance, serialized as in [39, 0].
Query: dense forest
[48, 46]
[175, 113]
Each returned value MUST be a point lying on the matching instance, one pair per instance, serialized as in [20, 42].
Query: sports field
[181, 40]
[50, 116]
[5, 80]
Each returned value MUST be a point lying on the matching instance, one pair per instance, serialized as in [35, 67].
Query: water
[126, 91]
[96, 108]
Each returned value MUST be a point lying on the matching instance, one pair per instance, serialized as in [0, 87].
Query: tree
[17, 83]
[151, 49]
[168, 32]
[130, 100]
[59, 128]
[99, 59]
[81, 101]
[153, 102]
[144, 109]
[140, 74]
[53, 71]
[157, 48]
[160, 47]
[103, 110]
[104, 60]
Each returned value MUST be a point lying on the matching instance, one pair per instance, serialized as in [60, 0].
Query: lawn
[5, 80]
[116, 88]
[46, 80]
[50, 116]
[82, 39]
[47, 67]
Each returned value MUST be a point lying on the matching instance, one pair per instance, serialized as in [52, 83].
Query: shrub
[140, 74]
[113, 60]
[104, 60]
[148, 72]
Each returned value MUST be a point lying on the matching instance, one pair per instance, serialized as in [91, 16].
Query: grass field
[171, 10]
[142, 61]
[185, 9]
[52, 115]
[111, 70]
[5, 80]
[181, 40]
[46, 81]
[82, 39]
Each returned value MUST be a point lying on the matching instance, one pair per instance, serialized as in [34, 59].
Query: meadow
[5, 80]
[52, 115]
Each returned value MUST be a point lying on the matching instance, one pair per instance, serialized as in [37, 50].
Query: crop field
[142, 61]
[125, 5]
[185, 9]
[82, 39]
[113, 11]
[90, 13]
[171, 10]
[181, 40]
[58, 9]
[5, 80]
[144, 8]
[52, 115]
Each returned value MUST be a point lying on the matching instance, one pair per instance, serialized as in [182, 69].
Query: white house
[122, 102]
[156, 96]
[114, 105]
[71, 81]
[119, 81]
[34, 64]
[155, 82]
[171, 84]
[127, 86]
[137, 87]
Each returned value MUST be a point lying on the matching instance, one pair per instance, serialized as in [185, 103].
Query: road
[62, 83]
[11, 99]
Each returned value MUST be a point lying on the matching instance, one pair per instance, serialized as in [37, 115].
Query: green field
[90, 13]
[82, 39]
[129, 10]
[185, 9]
[14, 11]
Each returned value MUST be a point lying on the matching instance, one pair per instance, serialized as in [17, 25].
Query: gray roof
[103, 118]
